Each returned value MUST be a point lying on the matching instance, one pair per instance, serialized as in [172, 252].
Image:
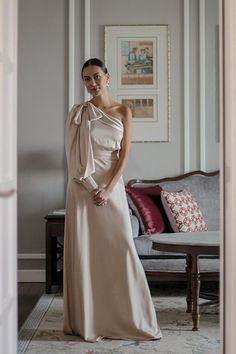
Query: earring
[108, 83]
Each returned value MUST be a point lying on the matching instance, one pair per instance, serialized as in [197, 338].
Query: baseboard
[31, 256]
[31, 276]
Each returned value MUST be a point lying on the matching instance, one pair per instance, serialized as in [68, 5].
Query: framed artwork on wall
[143, 107]
[138, 59]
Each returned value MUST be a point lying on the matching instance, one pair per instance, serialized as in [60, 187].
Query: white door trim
[229, 158]
[8, 176]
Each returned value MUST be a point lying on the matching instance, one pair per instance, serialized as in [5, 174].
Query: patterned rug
[42, 331]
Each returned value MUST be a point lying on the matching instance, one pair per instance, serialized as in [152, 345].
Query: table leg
[195, 292]
[54, 260]
[189, 299]
[48, 260]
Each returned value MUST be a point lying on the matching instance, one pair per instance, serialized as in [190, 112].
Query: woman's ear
[108, 79]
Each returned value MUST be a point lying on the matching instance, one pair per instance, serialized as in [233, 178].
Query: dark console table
[54, 249]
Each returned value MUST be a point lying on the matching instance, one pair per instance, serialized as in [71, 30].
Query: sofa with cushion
[185, 203]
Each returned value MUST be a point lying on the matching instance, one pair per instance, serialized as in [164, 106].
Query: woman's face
[95, 80]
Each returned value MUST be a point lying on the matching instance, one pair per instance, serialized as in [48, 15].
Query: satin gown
[105, 290]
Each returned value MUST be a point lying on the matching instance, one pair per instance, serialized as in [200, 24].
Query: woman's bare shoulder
[123, 111]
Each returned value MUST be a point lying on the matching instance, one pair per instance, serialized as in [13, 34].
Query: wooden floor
[28, 295]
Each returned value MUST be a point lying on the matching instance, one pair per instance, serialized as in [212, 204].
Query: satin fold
[106, 294]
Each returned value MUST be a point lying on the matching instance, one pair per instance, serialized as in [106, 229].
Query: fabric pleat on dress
[106, 294]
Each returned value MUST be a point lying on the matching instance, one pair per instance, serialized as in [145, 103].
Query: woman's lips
[95, 90]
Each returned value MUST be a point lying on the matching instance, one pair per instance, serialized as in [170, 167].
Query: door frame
[228, 168]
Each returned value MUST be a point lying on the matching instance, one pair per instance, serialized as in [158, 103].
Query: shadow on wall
[42, 160]
[41, 189]
[41, 182]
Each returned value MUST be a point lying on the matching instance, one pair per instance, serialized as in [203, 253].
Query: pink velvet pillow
[151, 216]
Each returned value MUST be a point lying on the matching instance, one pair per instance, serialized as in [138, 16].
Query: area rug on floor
[42, 331]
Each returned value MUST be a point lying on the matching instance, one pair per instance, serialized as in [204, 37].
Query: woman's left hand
[100, 196]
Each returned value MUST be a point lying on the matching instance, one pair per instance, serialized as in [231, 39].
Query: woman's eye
[98, 77]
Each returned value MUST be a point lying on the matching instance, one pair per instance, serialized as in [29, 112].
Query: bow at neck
[91, 113]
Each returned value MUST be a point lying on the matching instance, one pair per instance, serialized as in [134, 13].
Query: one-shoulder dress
[105, 291]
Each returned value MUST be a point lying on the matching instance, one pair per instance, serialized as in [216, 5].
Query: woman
[106, 294]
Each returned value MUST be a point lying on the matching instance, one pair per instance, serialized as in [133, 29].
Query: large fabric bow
[84, 151]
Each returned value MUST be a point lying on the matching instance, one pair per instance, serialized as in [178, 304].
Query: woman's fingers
[102, 203]
[96, 192]
[99, 198]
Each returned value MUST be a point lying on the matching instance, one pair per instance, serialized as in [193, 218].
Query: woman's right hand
[100, 196]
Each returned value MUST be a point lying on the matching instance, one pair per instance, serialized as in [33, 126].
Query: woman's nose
[92, 82]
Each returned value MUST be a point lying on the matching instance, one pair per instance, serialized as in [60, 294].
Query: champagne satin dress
[105, 290]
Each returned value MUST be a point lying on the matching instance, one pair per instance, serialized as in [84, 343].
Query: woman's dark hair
[95, 62]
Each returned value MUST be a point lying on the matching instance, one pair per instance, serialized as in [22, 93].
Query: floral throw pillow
[183, 211]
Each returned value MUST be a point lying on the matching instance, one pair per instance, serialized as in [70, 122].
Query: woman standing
[106, 294]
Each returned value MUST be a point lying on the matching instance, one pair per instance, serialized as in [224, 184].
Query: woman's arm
[101, 195]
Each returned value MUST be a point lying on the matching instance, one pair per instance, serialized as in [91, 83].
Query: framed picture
[136, 63]
[143, 107]
[137, 58]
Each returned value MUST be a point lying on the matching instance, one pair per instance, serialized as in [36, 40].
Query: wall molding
[87, 4]
[31, 256]
[186, 88]
[31, 276]
[71, 67]
[87, 53]
[72, 46]
[202, 86]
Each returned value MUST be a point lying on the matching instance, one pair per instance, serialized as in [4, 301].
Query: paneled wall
[43, 100]
[149, 160]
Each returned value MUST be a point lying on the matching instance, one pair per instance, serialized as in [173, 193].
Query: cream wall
[42, 104]
[149, 160]
[43, 101]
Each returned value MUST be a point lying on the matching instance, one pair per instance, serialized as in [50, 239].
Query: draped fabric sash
[79, 148]
[84, 151]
